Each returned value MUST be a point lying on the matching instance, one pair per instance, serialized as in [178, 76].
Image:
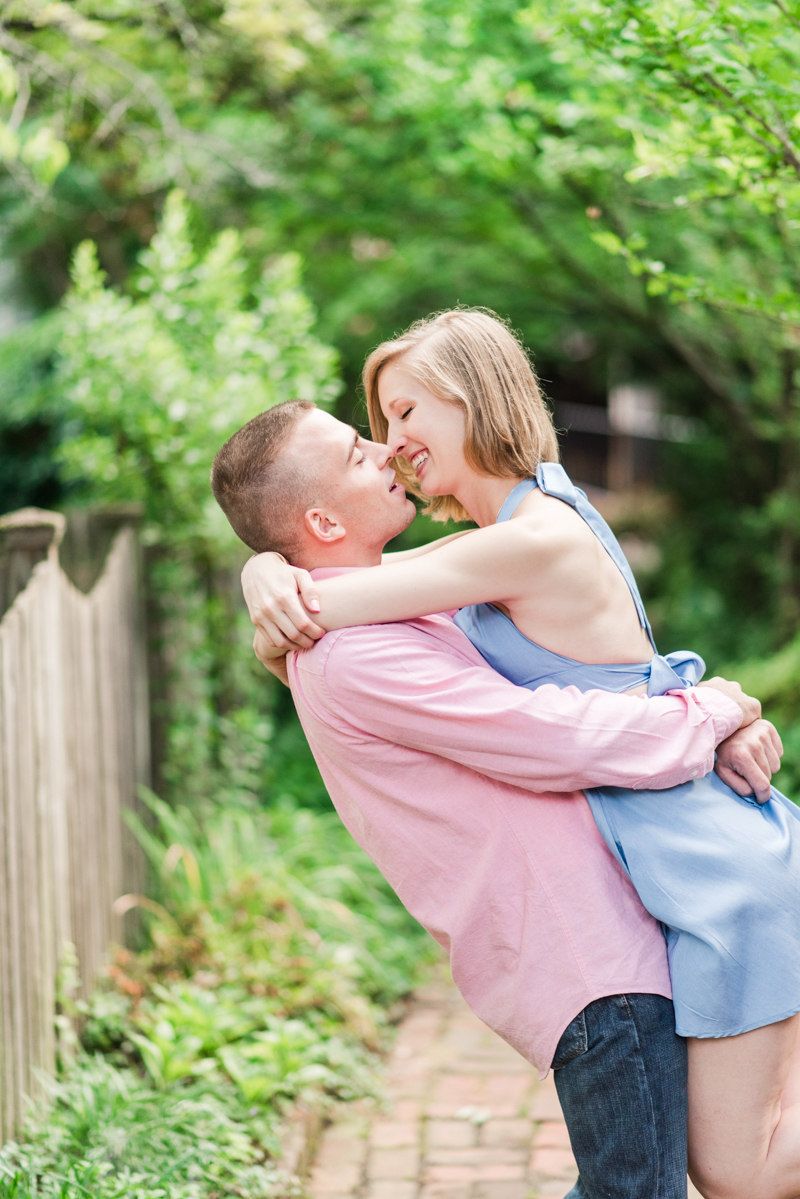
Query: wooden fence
[73, 748]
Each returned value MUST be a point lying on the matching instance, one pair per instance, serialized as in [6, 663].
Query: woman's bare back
[577, 602]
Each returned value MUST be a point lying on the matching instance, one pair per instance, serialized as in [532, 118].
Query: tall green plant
[423, 152]
[704, 211]
[154, 382]
[157, 380]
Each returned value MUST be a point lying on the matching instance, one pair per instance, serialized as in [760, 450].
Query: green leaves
[274, 949]
[722, 81]
[108, 1134]
[287, 1059]
[157, 381]
[262, 985]
[39, 148]
[45, 154]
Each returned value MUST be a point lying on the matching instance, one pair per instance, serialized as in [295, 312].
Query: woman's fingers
[261, 574]
[308, 591]
[264, 650]
[281, 628]
[282, 615]
[285, 610]
[272, 634]
[270, 589]
[281, 634]
[259, 645]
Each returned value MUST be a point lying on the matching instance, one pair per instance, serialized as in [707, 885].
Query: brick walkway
[466, 1118]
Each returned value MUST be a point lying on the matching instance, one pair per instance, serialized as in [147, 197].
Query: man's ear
[323, 525]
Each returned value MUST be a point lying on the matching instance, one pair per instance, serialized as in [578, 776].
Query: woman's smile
[418, 460]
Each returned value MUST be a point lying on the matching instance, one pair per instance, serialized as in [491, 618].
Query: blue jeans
[620, 1073]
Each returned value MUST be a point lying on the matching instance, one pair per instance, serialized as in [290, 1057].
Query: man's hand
[748, 759]
[274, 659]
[751, 708]
[278, 598]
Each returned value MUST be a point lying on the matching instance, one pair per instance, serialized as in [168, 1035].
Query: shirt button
[695, 773]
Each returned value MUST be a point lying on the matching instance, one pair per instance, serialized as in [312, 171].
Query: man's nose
[382, 453]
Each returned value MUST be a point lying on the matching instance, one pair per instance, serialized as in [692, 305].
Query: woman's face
[426, 431]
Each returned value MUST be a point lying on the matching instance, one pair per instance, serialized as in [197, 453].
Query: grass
[274, 966]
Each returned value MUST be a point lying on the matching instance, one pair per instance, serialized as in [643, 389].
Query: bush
[276, 958]
[775, 681]
[107, 1133]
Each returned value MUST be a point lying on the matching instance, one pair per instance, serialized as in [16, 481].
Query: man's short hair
[260, 489]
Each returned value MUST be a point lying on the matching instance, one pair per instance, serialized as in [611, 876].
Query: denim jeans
[620, 1073]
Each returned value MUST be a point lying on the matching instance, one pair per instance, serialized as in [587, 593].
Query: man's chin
[410, 514]
[401, 519]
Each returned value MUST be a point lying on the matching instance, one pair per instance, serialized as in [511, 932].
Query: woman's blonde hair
[469, 357]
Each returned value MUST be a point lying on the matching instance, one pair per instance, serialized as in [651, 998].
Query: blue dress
[721, 873]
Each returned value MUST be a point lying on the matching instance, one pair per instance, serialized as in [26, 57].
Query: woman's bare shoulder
[544, 521]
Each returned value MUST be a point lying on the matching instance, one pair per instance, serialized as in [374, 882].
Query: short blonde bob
[469, 357]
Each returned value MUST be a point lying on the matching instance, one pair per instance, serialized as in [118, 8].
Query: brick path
[466, 1118]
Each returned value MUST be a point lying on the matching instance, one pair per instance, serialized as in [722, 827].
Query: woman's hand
[273, 592]
[273, 659]
[748, 759]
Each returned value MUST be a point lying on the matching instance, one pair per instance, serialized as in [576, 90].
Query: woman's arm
[292, 611]
[281, 598]
[273, 659]
[407, 555]
[495, 563]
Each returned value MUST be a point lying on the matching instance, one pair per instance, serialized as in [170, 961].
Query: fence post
[73, 747]
[34, 860]
[27, 537]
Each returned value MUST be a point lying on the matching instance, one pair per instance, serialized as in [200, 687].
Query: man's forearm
[548, 739]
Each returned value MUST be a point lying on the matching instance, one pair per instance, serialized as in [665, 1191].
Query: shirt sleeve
[407, 689]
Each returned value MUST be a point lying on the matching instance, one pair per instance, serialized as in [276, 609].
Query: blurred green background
[207, 207]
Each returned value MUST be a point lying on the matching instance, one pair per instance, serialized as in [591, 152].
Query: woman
[546, 596]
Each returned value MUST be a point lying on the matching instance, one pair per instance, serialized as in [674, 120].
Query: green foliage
[107, 1133]
[245, 887]
[157, 383]
[150, 384]
[620, 179]
[31, 416]
[276, 954]
[700, 206]
[104, 107]
[776, 681]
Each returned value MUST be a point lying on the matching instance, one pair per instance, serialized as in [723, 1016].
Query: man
[465, 791]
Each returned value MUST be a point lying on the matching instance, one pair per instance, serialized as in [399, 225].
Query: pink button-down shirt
[465, 792]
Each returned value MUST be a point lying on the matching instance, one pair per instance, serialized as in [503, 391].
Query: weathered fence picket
[73, 749]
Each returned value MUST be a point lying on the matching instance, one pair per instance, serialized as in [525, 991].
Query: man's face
[354, 479]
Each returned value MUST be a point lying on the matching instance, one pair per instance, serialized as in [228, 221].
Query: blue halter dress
[721, 873]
